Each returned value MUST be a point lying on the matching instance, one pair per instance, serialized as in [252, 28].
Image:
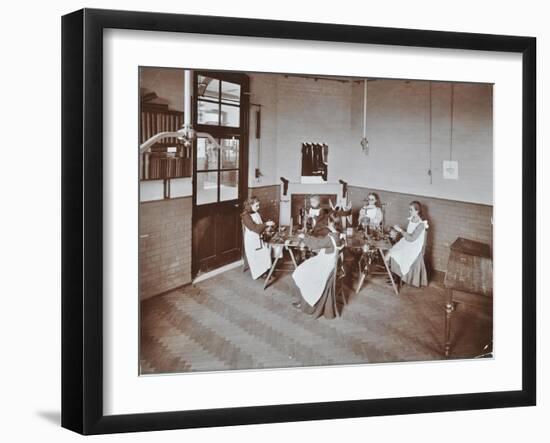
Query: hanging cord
[259, 139]
[365, 110]
[258, 119]
[364, 141]
[430, 129]
[452, 120]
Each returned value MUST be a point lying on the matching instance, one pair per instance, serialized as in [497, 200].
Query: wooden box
[470, 267]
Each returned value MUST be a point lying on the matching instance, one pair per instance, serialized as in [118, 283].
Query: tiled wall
[313, 111]
[448, 220]
[262, 153]
[269, 201]
[409, 131]
[294, 110]
[165, 239]
[408, 127]
[165, 245]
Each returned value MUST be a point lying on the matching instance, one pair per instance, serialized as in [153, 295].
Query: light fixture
[186, 134]
[364, 141]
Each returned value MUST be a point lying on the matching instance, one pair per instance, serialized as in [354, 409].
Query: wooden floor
[230, 322]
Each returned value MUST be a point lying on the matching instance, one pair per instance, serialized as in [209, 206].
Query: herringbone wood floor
[230, 322]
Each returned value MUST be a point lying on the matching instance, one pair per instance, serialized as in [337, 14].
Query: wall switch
[450, 169]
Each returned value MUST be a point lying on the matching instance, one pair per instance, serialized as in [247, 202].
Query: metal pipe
[186, 133]
[211, 140]
[364, 141]
[187, 99]
[145, 146]
[365, 111]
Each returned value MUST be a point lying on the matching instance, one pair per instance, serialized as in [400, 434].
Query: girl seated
[315, 277]
[258, 254]
[406, 257]
[316, 217]
[343, 210]
[371, 213]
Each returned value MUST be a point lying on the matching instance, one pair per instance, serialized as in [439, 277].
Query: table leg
[388, 271]
[273, 266]
[292, 257]
[448, 316]
[362, 275]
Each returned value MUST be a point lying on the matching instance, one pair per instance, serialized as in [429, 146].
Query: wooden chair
[367, 269]
[246, 267]
[422, 253]
[339, 274]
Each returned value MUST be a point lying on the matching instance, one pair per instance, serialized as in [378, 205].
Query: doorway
[220, 174]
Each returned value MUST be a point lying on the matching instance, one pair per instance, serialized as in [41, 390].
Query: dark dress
[417, 275]
[321, 224]
[247, 221]
[254, 248]
[327, 305]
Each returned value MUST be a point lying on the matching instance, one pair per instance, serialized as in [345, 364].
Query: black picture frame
[82, 215]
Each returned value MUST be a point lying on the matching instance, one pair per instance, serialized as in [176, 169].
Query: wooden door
[220, 177]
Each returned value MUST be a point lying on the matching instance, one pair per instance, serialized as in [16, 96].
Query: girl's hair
[375, 195]
[249, 202]
[417, 206]
[336, 221]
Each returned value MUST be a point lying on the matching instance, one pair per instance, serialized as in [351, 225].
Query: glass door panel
[229, 185]
[230, 153]
[207, 155]
[207, 187]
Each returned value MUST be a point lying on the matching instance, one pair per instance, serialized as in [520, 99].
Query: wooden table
[470, 269]
[358, 242]
[355, 242]
[279, 241]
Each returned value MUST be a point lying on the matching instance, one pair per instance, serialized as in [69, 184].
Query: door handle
[236, 205]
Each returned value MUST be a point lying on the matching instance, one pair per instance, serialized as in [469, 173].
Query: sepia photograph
[302, 220]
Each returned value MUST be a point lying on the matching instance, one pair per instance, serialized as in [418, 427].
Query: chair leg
[340, 291]
[343, 293]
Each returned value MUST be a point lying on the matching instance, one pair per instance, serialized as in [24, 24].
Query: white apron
[313, 214]
[257, 253]
[371, 212]
[312, 275]
[405, 252]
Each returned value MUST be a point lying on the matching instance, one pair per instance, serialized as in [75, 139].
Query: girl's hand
[270, 223]
[301, 235]
[287, 243]
[397, 228]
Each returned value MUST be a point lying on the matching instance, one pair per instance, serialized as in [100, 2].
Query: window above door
[218, 102]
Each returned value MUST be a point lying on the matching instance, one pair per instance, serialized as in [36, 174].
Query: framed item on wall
[206, 237]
